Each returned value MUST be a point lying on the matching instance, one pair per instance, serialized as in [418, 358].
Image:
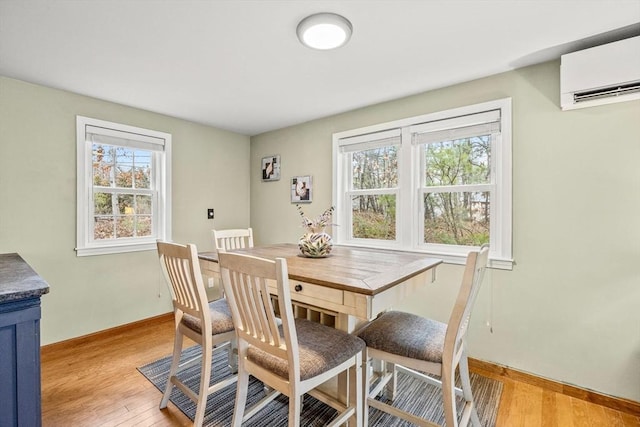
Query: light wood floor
[94, 382]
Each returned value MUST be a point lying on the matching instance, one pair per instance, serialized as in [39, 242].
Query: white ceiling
[238, 65]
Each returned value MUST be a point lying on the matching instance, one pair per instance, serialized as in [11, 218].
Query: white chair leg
[356, 392]
[391, 388]
[241, 396]
[175, 361]
[233, 356]
[295, 406]
[366, 385]
[466, 389]
[449, 395]
[205, 376]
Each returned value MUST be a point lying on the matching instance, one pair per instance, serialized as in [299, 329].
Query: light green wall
[569, 310]
[38, 205]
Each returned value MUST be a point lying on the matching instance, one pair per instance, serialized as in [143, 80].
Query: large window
[123, 187]
[438, 183]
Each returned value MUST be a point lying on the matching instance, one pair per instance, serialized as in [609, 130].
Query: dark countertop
[18, 280]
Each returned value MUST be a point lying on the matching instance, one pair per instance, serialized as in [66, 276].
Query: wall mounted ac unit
[601, 75]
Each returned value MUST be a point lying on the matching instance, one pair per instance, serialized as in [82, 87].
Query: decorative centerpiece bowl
[315, 243]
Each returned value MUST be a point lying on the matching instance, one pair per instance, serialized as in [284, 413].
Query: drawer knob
[298, 288]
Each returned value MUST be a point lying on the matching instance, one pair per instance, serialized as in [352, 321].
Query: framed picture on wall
[301, 189]
[271, 168]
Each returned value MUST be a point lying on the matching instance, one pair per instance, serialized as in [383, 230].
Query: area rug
[417, 397]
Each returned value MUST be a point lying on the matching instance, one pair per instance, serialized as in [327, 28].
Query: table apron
[336, 301]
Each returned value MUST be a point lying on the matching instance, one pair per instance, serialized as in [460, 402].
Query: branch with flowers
[317, 224]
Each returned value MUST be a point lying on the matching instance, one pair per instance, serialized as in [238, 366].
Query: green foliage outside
[450, 217]
[378, 222]
[457, 218]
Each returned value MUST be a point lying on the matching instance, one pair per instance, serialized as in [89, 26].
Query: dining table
[348, 287]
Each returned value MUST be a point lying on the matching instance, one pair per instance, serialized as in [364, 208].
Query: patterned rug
[417, 397]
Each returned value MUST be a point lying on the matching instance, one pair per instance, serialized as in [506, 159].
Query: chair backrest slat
[239, 295]
[228, 240]
[259, 289]
[270, 326]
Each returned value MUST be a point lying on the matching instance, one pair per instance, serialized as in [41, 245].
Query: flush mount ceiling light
[324, 31]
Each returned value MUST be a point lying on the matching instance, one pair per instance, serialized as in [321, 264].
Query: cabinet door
[20, 404]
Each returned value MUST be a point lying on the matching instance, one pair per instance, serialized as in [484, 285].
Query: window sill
[116, 249]
[495, 262]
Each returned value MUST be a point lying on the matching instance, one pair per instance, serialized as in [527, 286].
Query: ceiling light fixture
[324, 31]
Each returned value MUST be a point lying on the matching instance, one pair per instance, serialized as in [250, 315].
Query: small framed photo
[271, 168]
[301, 189]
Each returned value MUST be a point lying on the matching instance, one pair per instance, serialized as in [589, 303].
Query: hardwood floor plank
[505, 417]
[135, 416]
[598, 417]
[549, 409]
[531, 397]
[629, 420]
[580, 413]
[564, 411]
[613, 417]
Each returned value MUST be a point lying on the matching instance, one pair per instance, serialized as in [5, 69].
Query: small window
[438, 183]
[123, 187]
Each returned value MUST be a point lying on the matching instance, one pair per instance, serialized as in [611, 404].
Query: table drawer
[308, 293]
[209, 268]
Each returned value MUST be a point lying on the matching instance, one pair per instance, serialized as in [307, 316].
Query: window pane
[374, 217]
[124, 167]
[103, 228]
[124, 226]
[125, 204]
[142, 175]
[102, 204]
[143, 225]
[458, 162]
[376, 168]
[460, 218]
[143, 204]
[102, 159]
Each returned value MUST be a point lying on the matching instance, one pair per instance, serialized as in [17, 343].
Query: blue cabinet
[20, 291]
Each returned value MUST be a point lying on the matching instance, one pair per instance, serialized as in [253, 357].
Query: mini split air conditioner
[601, 75]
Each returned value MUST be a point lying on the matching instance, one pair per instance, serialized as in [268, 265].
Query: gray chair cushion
[320, 347]
[406, 335]
[221, 320]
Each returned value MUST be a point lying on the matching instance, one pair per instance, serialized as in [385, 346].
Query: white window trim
[407, 239]
[85, 245]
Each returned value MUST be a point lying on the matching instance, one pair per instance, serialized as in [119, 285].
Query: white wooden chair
[231, 239]
[208, 324]
[421, 345]
[227, 240]
[290, 356]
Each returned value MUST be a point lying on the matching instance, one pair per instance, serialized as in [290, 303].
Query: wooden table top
[361, 270]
